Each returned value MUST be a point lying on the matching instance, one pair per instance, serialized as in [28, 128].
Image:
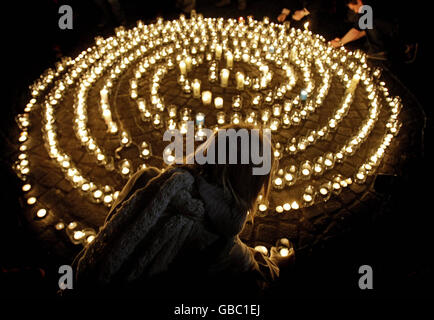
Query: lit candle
[218, 103]
[220, 117]
[303, 95]
[188, 63]
[104, 96]
[306, 169]
[229, 59]
[240, 80]
[200, 119]
[196, 88]
[157, 123]
[218, 51]
[236, 118]
[224, 77]
[236, 102]
[183, 67]
[206, 97]
[171, 110]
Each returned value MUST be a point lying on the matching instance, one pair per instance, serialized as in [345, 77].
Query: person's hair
[237, 180]
[347, 2]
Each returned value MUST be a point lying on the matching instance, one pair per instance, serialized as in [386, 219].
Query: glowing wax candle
[183, 67]
[206, 97]
[218, 103]
[196, 88]
[303, 95]
[218, 51]
[224, 77]
[240, 80]
[229, 59]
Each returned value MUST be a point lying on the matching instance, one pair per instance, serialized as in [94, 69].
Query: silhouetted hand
[298, 15]
[336, 43]
[281, 17]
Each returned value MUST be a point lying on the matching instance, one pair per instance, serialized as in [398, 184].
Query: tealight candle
[206, 97]
[306, 170]
[200, 119]
[236, 118]
[171, 110]
[278, 183]
[308, 195]
[236, 102]
[218, 102]
[220, 117]
[224, 77]
[274, 124]
[41, 213]
[157, 123]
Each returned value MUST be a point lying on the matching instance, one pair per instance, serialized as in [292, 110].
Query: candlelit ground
[380, 223]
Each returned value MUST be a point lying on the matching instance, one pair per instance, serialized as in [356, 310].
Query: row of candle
[77, 70]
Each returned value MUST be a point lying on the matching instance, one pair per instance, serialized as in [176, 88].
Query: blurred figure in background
[384, 38]
[312, 11]
[242, 4]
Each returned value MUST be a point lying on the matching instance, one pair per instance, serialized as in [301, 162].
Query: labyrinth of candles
[119, 96]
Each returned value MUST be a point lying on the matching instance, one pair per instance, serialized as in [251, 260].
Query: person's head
[354, 5]
[238, 179]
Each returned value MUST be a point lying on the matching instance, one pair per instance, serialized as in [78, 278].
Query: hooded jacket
[169, 230]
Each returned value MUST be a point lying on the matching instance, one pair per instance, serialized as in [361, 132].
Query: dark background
[397, 245]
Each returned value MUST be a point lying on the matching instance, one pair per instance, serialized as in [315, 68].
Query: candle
[308, 195]
[171, 110]
[157, 123]
[303, 95]
[171, 124]
[236, 102]
[200, 119]
[218, 51]
[329, 160]
[218, 103]
[145, 150]
[186, 88]
[183, 67]
[251, 118]
[224, 77]
[236, 118]
[196, 88]
[206, 97]
[220, 117]
[104, 96]
[240, 80]
[278, 183]
[188, 63]
[277, 110]
[229, 60]
[306, 169]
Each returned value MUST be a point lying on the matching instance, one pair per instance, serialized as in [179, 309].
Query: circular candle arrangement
[212, 72]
